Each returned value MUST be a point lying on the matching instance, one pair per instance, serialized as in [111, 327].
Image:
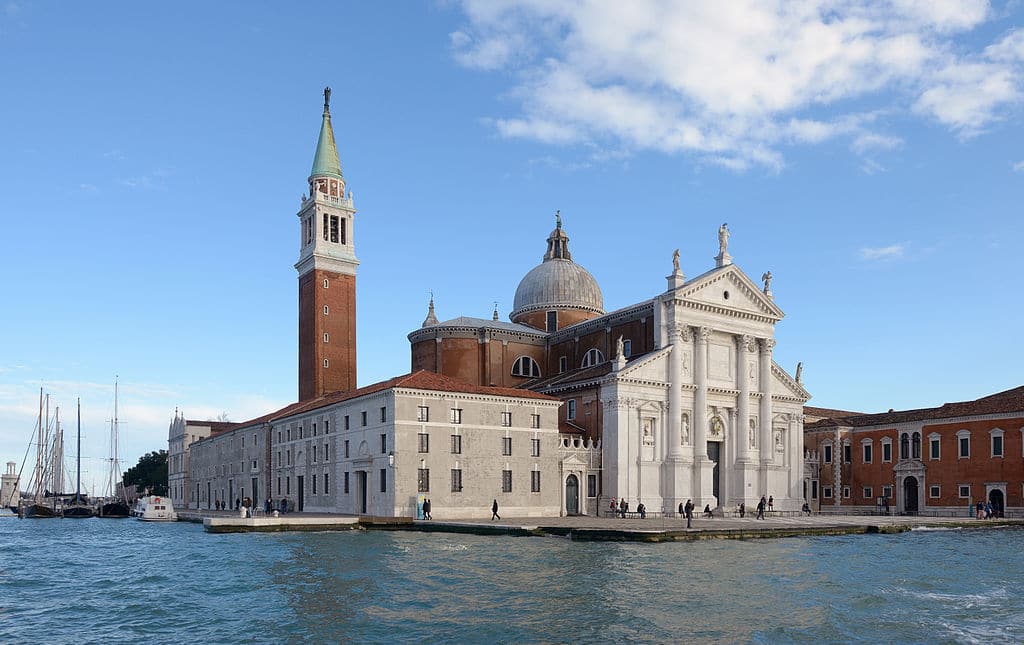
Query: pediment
[730, 290]
[651, 367]
[785, 385]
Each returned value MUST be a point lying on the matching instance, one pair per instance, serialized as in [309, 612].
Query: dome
[558, 282]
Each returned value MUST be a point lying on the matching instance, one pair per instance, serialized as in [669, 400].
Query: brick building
[932, 460]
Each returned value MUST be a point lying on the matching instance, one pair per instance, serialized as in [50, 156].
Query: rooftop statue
[723, 238]
[766, 277]
[558, 219]
[675, 261]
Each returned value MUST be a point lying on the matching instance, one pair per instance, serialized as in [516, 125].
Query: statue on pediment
[766, 278]
[675, 261]
[723, 238]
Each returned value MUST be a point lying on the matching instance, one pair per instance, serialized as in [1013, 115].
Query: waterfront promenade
[652, 529]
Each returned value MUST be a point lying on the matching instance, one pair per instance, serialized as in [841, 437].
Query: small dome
[558, 282]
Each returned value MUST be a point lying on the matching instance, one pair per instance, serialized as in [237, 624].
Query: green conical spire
[325, 162]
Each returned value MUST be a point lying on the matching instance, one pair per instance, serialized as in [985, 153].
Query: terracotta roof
[830, 413]
[420, 380]
[1006, 402]
[578, 375]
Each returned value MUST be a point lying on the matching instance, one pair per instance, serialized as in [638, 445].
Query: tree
[150, 472]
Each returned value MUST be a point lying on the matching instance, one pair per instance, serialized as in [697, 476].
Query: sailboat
[36, 507]
[78, 509]
[115, 506]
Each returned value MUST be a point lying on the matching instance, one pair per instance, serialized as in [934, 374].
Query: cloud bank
[736, 83]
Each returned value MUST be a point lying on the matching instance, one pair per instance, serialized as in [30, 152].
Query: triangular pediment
[729, 290]
[785, 385]
[650, 367]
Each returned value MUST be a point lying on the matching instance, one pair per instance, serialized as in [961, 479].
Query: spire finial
[495, 315]
[327, 100]
[431, 318]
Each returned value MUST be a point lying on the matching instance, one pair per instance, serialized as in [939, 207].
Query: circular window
[726, 294]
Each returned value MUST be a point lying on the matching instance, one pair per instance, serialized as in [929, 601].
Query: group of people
[622, 507]
[986, 511]
[426, 509]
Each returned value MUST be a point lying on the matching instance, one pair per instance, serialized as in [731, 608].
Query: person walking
[494, 511]
[682, 509]
[426, 509]
[760, 509]
[688, 511]
[771, 503]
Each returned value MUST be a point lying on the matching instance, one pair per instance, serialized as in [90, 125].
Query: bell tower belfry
[327, 274]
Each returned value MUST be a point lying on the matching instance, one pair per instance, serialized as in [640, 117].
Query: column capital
[702, 334]
[746, 341]
[678, 331]
[767, 344]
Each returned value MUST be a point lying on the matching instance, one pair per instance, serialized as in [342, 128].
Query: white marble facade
[709, 416]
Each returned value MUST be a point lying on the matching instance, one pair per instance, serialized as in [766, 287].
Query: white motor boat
[153, 508]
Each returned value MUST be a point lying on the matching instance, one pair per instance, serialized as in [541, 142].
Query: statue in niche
[686, 363]
[685, 430]
[716, 428]
[723, 238]
[780, 446]
[753, 371]
[648, 432]
[753, 433]
[675, 261]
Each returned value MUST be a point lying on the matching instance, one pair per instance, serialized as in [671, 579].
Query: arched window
[526, 366]
[904, 446]
[917, 445]
[593, 357]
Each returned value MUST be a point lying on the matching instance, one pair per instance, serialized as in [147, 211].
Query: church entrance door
[714, 454]
[910, 495]
[572, 495]
[995, 498]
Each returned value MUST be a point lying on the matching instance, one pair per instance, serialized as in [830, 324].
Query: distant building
[181, 435]
[558, 411]
[10, 494]
[931, 460]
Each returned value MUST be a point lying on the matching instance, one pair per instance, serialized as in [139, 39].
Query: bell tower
[327, 274]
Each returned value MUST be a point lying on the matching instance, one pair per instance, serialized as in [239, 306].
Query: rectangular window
[326, 227]
[383, 444]
[423, 414]
[627, 348]
[278, 485]
[846, 492]
[456, 416]
[826, 492]
[423, 480]
[933, 491]
[314, 483]
[314, 429]
[534, 420]
[346, 447]
[506, 481]
[327, 426]
[887, 492]
[383, 414]
[965, 447]
[964, 491]
[326, 457]
[847, 453]
[571, 414]
[535, 447]
[506, 419]
[933, 446]
[287, 485]
[456, 444]
[424, 442]
[344, 483]
[506, 446]
[383, 480]
[363, 416]
[534, 481]
[334, 229]
[828, 453]
[346, 422]
[327, 483]
[552, 320]
[288, 453]
[591, 485]
[456, 480]
[563, 364]
[886, 452]
[867, 492]
[867, 453]
[314, 454]
[997, 446]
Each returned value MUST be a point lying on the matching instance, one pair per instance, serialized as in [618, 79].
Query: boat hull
[114, 510]
[37, 511]
[79, 512]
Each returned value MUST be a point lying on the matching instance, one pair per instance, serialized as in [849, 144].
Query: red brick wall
[340, 326]
[539, 319]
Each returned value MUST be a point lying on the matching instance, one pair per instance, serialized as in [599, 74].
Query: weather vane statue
[327, 98]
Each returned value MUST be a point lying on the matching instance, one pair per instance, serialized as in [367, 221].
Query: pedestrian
[426, 509]
[613, 507]
[707, 511]
[494, 511]
[806, 508]
[979, 510]
[688, 510]
[640, 508]
[988, 510]
[238, 503]
[622, 507]
[682, 509]
[743, 509]
[268, 506]
[760, 508]
[771, 503]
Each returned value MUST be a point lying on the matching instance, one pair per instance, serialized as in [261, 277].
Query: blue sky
[152, 158]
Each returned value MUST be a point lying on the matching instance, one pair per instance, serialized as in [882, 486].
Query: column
[700, 399]
[675, 392]
[765, 414]
[795, 451]
[742, 427]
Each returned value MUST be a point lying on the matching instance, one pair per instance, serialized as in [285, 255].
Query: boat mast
[57, 468]
[78, 456]
[39, 451]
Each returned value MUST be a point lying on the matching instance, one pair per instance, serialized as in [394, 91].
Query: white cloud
[891, 252]
[736, 82]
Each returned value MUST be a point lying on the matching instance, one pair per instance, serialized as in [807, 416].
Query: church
[562, 410]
